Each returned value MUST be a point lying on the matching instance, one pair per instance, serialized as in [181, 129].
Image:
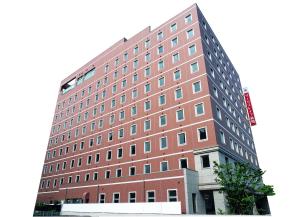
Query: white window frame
[176, 94]
[168, 197]
[100, 197]
[191, 68]
[147, 197]
[160, 166]
[189, 50]
[198, 134]
[159, 103]
[148, 141]
[195, 106]
[178, 140]
[130, 154]
[177, 120]
[160, 125]
[174, 77]
[160, 143]
[179, 162]
[134, 197]
[193, 87]
[113, 197]
[145, 125]
[144, 168]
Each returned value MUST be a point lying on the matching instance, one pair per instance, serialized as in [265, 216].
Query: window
[162, 100]
[199, 109]
[108, 155]
[91, 143]
[98, 140]
[97, 158]
[172, 195]
[222, 137]
[122, 115]
[202, 134]
[113, 103]
[183, 163]
[120, 153]
[118, 172]
[188, 19]
[131, 171]
[77, 179]
[178, 93]
[147, 57]
[219, 114]
[177, 75]
[134, 78]
[132, 197]
[190, 33]
[110, 136]
[147, 43]
[147, 105]
[150, 196]
[160, 49]
[160, 65]
[89, 160]
[147, 125]
[147, 72]
[114, 88]
[121, 133]
[162, 120]
[174, 42]
[194, 67]
[196, 87]
[181, 140]
[79, 162]
[124, 69]
[163, 143]
[160, 35]
[116, 198]
[175, 58]
[112, 119]
[173, 27]
[215, 92]
[133, 110]
[180, 115]
[117, 62]
[124, 82]
[161, 81]
[81, 145]
[135, 50]
[134, 93]
[192, 49]
[205, 161]
[102, 198]
[69, 180]
[135, 64]
[125, 56]
[132, 150]
[95, 176]
[147, 168]
[107, 174]
[147, 88]
[147, 146]
[164, 166]
[133, 129]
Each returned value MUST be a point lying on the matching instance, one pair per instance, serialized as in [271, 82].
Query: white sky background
[42, 42]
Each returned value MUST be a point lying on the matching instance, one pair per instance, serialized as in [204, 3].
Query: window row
[194, 67]
[181, 139]
[162, 120]
[178, 94]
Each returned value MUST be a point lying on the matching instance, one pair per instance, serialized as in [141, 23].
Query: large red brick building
[144, 120]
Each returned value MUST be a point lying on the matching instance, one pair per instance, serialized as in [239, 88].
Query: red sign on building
[249, 108]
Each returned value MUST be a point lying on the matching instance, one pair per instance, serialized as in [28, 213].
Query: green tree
[242, 186]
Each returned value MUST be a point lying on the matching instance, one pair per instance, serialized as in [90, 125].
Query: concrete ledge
[97, 208]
